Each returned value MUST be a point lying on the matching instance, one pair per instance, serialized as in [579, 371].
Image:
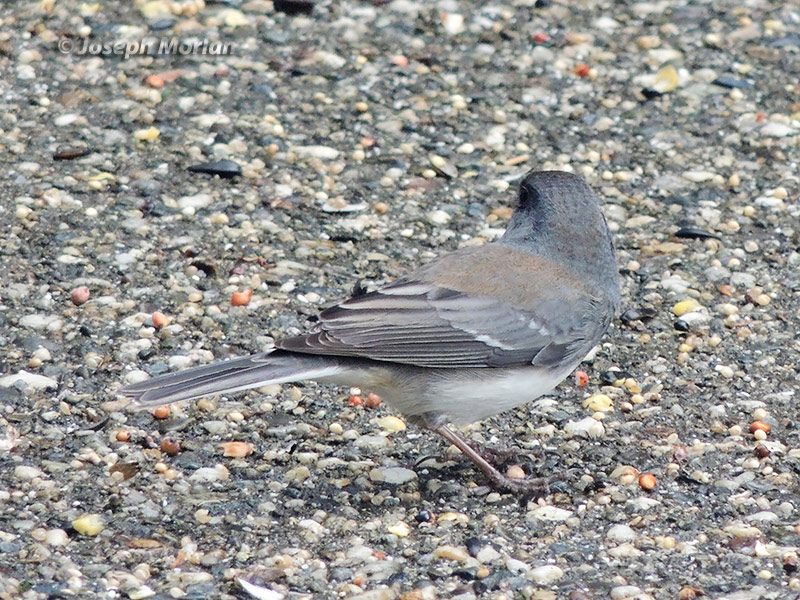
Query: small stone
[438, 217]
[225, 169]
[647, 481]
[26, 473]
[392, 424]
[298, 474]
[545, 575]
[400, 529]
[235, 18]
[241, 298]
[550, 513]
[194, 202]
[146, 135]
[56, 537]
[160, 320]
[90, 524]
[621, 533]
[392, 475]
[588, 427]
[599, 402]
[685, 306]
[29, 380]
[321, 152]
[293, 7]
[210, 474]
[236, 449]
[80, 295]
[515, 472]
[451, 553]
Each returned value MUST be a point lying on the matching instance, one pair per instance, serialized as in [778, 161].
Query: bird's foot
[499, 455]
[538, 486]
[534, 486]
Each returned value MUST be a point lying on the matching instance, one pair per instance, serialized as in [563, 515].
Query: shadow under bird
[471, 334]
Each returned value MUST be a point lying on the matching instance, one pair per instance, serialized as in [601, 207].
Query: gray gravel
[360, 139]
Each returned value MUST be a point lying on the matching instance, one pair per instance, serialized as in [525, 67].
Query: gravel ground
[365, 139]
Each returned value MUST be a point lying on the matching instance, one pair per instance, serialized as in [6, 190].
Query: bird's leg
[537, 485]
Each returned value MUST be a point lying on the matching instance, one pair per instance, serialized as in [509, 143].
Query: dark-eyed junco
[470, 334]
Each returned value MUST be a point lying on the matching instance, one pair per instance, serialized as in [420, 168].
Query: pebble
[89, 524]
[392, 475]
[79, 295]
[56, 537]
[487, 555]
[451, 553]
[550, 513]
[400, 529]
[26, 473]
[587, 427]
[194, 202]
[621, 533]
[599, 402]
[391, 424]
[629, 592]
[546, 575]
[30, 380]
[225, 169]
[210, 474]
[146, 135]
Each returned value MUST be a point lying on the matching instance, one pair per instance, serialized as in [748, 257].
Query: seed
[241, 298]
[647, 481]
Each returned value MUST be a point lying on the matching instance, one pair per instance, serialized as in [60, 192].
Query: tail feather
[230, 376]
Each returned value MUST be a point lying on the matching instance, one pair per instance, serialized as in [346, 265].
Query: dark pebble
[474, 546]
[609, 377]
[650, 93]
[71, 154]
[224, 168]
[293, 7]
[424, 516]
[637, 314]
[162, 24]
[729, 82]
[681, 325]
[693, 233]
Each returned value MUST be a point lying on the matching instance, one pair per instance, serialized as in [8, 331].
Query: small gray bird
[470, 334]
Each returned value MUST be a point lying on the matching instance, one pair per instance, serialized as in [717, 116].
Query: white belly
[468, 401]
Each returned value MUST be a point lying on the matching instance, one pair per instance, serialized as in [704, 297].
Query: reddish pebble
[759, 426]
[356, 400]
[367, 142]
[160, 320]
[581, 378]
[399, 60]
[168, 76]
[761, 117]
[236, 449]
[680, 453]
[80, 295]
[154, 81]
[541, 37]
[761, 451]
[647, 481]
[582, 70]
[515, 472]
[170, 446]
[123, 435]
[373, 400]
[241, 298]
[161, 412]
[379, 555]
